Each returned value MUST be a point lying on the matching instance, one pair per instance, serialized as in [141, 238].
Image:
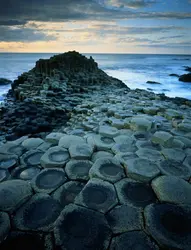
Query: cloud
[22, 35]
[130, 3]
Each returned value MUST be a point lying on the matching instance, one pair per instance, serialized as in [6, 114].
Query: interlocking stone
[38, 214]
[134, 193]
[31, 157]
[81, 228]
[108, 131]
[172, 189]
[48, 180]
[55, 157]
[98, 195]
[163, 138]
[8, 162]
[78, 169]
[125, 218]
[123, 148]
[101, 154]
[67, 193]
[100, 142]
[174, 168]
[54, 137]
[140, 124]
[149, 154]
[32, 143]
[141, 169]
[13, 194]
[169, 225]
[4, 174]
[67, 140]
[135, 240]
[81, 151]
[4, 225]
[108, 169]
[11, 148]
[173, 154]
[26, 172]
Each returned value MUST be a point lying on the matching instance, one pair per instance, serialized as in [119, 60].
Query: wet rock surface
[101, 167]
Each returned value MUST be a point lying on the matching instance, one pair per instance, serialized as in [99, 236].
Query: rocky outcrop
[4, 81]
[153, 82]
[185, 78]
[61, 75]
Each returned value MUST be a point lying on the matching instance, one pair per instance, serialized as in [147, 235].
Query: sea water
[133, 69]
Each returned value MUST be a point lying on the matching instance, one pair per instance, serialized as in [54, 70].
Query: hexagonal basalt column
[141, 169]
[25, 240]
[67, 193]
[98, 195]
[107, 131]
[81, 228]
[172, 189]
[163, 138]
[8, 162]
[54, 137]
[78, 169]
[26, 172]
[4, 175]
[173, 154]
[108, 169]
[125, 218]
[100, 142]
[13, 194]
[11, 148]
[38, 214]
[101, 154]
[140, 124]
[31, 158]
[67, 140]
[4, 225]
[169, 225]
[174, 168]
[134, 193]
[123, 148]
[149, 154]
[55, 157]
[32, 143]
[48, 180]
[81, 151]
[136, 240]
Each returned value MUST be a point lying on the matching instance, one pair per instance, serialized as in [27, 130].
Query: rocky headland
[87, 163]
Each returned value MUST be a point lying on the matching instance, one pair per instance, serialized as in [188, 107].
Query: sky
[96, 26]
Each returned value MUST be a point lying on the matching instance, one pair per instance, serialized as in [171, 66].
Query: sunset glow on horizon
[96, 26]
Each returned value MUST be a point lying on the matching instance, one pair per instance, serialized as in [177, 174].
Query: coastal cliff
[87, 163]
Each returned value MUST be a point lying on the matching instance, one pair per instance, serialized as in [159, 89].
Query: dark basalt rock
[185, 78]
[136, 240]
[153, 82]
[13, 194]
[78, 169]
[125, 218]
[4, 226]
[98, 195]
[38, 214]
[67, 193]
[24, 240]
[187, 68]
[25, 172]
[81, 228]
[135, 193]
[4, 81]
[170, 167]
[169, 225]
[4, 175]
[31, 157]
[108, 169]
[174, 75]
[8, 162]
[48, 180]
